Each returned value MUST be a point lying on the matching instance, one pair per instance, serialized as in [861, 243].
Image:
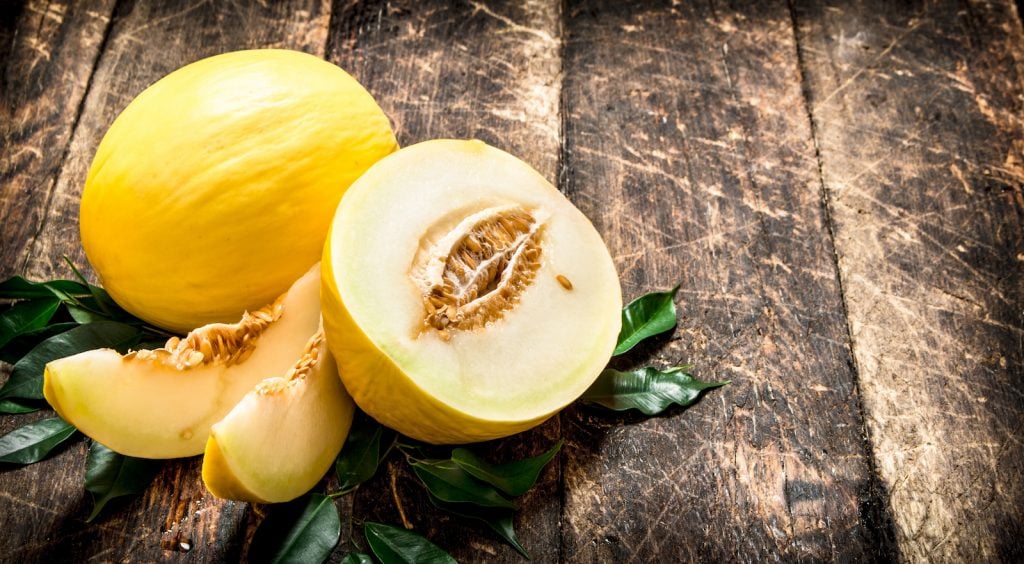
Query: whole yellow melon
[214, 189]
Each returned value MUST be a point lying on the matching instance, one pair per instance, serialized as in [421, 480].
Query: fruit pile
[261, 197]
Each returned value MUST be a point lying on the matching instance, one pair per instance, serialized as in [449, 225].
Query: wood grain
[918, 114]
[49, 50]
[146, 41]
[838, 186]
[486, 70]
[688, 143]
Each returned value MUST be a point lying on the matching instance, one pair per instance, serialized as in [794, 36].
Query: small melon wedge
[464, 297]
[278, 442]
[161, 403]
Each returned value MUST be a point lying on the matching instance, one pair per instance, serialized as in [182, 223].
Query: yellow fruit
[464, 297]
[161, 403]
[278, 442]
[214, 189]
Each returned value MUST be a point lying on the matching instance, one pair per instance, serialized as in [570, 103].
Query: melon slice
[278, 442]
[161, 403]
[464, 297]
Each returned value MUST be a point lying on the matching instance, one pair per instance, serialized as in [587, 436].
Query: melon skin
[535, 361]
[140, 406]
[214, 189]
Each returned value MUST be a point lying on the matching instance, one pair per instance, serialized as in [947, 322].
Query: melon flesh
[389, 239]
[161, 403]
[282, 437]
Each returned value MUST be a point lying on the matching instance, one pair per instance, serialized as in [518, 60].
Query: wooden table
[838, 187]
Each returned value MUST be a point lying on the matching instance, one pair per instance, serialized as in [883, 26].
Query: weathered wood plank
[484, 70]
[48, 51]
[47, 500]
[918, 115]
[687, 140]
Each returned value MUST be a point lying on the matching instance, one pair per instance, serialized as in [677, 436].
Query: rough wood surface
[49, 52]
[837, 187]
[699, 168]
[918, 114]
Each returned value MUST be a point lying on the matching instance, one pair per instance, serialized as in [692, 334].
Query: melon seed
[485, 262]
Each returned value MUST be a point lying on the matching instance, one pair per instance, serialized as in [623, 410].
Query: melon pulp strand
[465, 298]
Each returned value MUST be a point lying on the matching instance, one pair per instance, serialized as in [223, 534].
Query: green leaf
[498, 519]
[109, 475]
[302, 531]
[17, 288]
[648, 389]
[31, 443]
[367, 444]
[513, 478]
[21, 345]
[84, 315]
[645, 317]
[26, 317]
[26, 379]
[356, 558]
[99, 295]
[11, 406]
[449, 482]
[393, 545]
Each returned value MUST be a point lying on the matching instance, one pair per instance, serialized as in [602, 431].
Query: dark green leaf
[17, 288]
[302, 531]
[648, 389]
[83, 315]
[498, 519]
[367, 444]
[109, 475]
[32, 442]
[513, 478]
[26, 379]
[99, 295]
[26, 317]
[393, 545]
[357, 558]
[11, 406]
[21, 345]
[449, 482]
[645, 317]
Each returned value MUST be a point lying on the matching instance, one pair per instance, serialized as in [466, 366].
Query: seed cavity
[220, 343]
[565, 282]
[477, 271]
[299, 371]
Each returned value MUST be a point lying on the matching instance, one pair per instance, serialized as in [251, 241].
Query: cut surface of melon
[161, 403]
[278, 442]
[465, 298]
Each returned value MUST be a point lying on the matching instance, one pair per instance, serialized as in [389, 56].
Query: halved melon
[282, 437]
[464, 297]
[161, 403]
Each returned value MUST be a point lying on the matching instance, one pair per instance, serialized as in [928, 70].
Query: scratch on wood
[512, 25]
